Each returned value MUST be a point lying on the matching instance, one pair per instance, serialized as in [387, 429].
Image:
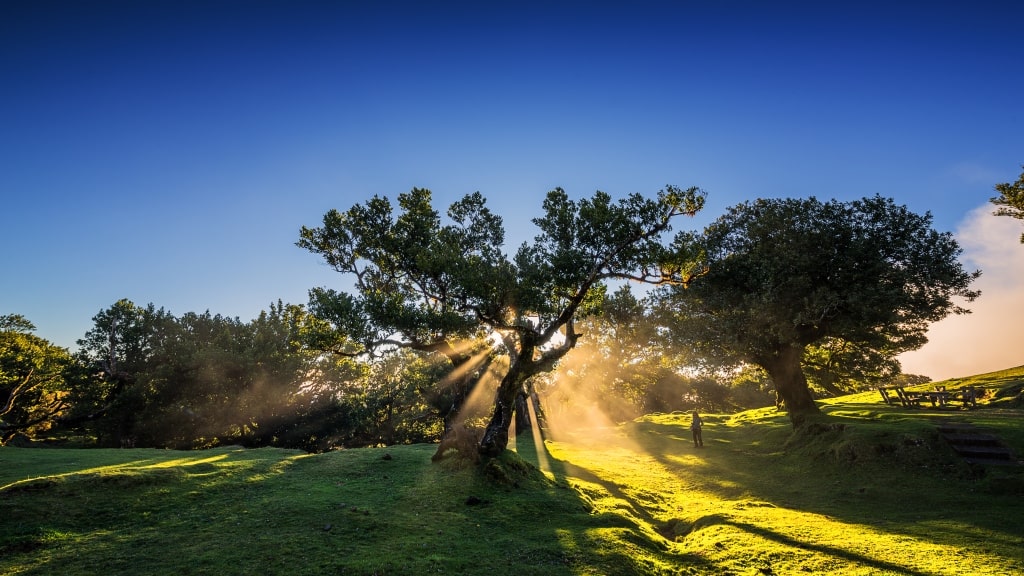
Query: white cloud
[991, 337]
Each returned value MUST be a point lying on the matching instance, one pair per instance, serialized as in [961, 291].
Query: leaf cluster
[417, 281]
[1010, 201]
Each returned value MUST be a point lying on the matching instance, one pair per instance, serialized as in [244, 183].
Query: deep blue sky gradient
[169, 151]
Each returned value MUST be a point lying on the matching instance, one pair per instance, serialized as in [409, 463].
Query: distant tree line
[143, 377]
[777, 301]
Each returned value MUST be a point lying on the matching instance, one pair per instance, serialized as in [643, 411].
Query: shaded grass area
[269, 511]
[865, 489]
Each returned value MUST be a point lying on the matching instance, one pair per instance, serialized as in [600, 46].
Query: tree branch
[17, 390]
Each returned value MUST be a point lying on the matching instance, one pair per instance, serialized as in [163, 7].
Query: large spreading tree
[1010, 201]
[778, 276]
[429, 286]
[33, 390]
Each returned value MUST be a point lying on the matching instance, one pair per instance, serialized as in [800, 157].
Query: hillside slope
[868, 489]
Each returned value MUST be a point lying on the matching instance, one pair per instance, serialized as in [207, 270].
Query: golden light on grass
[186, 461]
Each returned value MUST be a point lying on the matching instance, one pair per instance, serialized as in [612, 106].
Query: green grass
[867, 489]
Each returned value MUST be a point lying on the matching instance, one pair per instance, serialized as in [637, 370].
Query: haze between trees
[761, 286]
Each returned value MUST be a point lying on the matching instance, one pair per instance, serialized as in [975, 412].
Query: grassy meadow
[867, 489]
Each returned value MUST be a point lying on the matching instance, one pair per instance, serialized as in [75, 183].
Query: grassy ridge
[869, 489]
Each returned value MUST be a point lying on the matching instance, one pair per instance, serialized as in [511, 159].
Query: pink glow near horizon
[988, 339]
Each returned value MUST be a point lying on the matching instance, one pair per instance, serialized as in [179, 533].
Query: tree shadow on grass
[831, 551]
[511, 520]
[887, 494]
[643, 528]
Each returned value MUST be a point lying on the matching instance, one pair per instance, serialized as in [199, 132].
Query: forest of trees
[776, 302]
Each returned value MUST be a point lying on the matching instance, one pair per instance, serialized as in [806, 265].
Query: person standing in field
[695, 425]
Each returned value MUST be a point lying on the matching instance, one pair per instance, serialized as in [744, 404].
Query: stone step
[991, 461]
[956, 426]
[994, 452]
[975, 446]
[973, 439]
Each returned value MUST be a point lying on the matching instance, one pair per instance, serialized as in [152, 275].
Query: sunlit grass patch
[835, 497]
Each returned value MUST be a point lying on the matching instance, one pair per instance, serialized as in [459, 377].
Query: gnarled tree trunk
[511, 398]
[790, 383]
[495, 438]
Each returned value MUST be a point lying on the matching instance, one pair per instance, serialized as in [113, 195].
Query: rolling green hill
[867, 489]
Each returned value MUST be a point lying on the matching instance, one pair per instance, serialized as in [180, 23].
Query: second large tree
[780, 275]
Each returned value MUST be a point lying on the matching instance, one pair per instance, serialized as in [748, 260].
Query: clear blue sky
[169, 151]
